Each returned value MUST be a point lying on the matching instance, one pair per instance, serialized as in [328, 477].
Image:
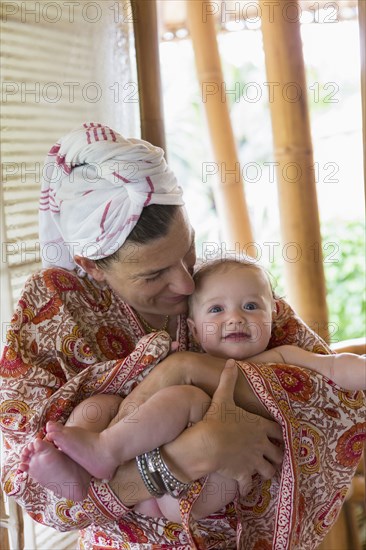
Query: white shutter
[54, 76]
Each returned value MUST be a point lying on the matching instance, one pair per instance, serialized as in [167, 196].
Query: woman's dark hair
[154, 223]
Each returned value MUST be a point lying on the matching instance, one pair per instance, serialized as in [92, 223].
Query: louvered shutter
[54, 76]
[62, 63]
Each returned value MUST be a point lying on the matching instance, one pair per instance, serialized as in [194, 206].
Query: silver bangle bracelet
[152, 482]
[156, 465]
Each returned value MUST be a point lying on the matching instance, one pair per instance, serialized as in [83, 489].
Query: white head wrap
[95, 185]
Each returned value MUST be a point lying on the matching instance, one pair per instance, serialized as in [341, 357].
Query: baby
[230, 316]
[231, 313]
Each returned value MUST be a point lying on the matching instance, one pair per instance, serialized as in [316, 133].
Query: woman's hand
[228, 440]
[239, 441]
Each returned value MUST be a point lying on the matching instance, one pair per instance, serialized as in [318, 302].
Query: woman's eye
[250, 306]
[215, 309]
[153, 278]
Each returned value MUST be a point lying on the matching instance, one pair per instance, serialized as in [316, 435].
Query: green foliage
[343, 249]
[345, 278]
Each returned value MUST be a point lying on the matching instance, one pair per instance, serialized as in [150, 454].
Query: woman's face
[156, 278]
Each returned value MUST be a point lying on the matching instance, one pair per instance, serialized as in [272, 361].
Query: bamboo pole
[229, 193]
[4, 542]
[300, 225]
[4, 538]
[148, 71]
[362, 27]
[11, 525]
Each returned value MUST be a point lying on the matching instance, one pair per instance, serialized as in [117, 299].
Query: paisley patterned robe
[71, 337]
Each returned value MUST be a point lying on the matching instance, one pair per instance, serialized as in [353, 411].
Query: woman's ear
[192, 327]
[90, 267]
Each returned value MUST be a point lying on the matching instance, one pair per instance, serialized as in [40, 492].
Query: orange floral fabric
[71, 337]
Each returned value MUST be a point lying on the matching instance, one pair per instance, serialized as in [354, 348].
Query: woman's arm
[228, 440]
[203, 448]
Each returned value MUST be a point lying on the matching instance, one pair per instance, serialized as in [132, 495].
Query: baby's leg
[216, 494]
[150, 508]
[55, 470]
[96, 412]
[159, 420]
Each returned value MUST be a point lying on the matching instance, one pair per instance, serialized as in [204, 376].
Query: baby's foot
[85, 448]
[25, 457]
[54, 470]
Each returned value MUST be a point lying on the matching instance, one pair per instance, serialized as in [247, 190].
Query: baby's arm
[348, 370]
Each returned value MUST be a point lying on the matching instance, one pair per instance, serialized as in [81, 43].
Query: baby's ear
[274, 310]
[192, 327]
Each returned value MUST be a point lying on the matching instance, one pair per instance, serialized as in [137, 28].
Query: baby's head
[231, 310]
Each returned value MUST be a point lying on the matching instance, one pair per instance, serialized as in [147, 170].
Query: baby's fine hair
[204, 268]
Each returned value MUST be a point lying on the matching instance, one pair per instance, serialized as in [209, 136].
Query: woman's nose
[182, 282]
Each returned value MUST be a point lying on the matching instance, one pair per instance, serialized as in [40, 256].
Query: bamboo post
[148, 71]
[229, 193]
[4, 539]
[300, 225]
[362, 27]
[11, 525]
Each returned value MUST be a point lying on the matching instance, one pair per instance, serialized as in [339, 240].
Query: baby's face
[232, 312]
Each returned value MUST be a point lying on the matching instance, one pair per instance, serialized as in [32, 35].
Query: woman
[120, 253]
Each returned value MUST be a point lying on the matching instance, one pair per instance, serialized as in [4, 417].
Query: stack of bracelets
[157, 477]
